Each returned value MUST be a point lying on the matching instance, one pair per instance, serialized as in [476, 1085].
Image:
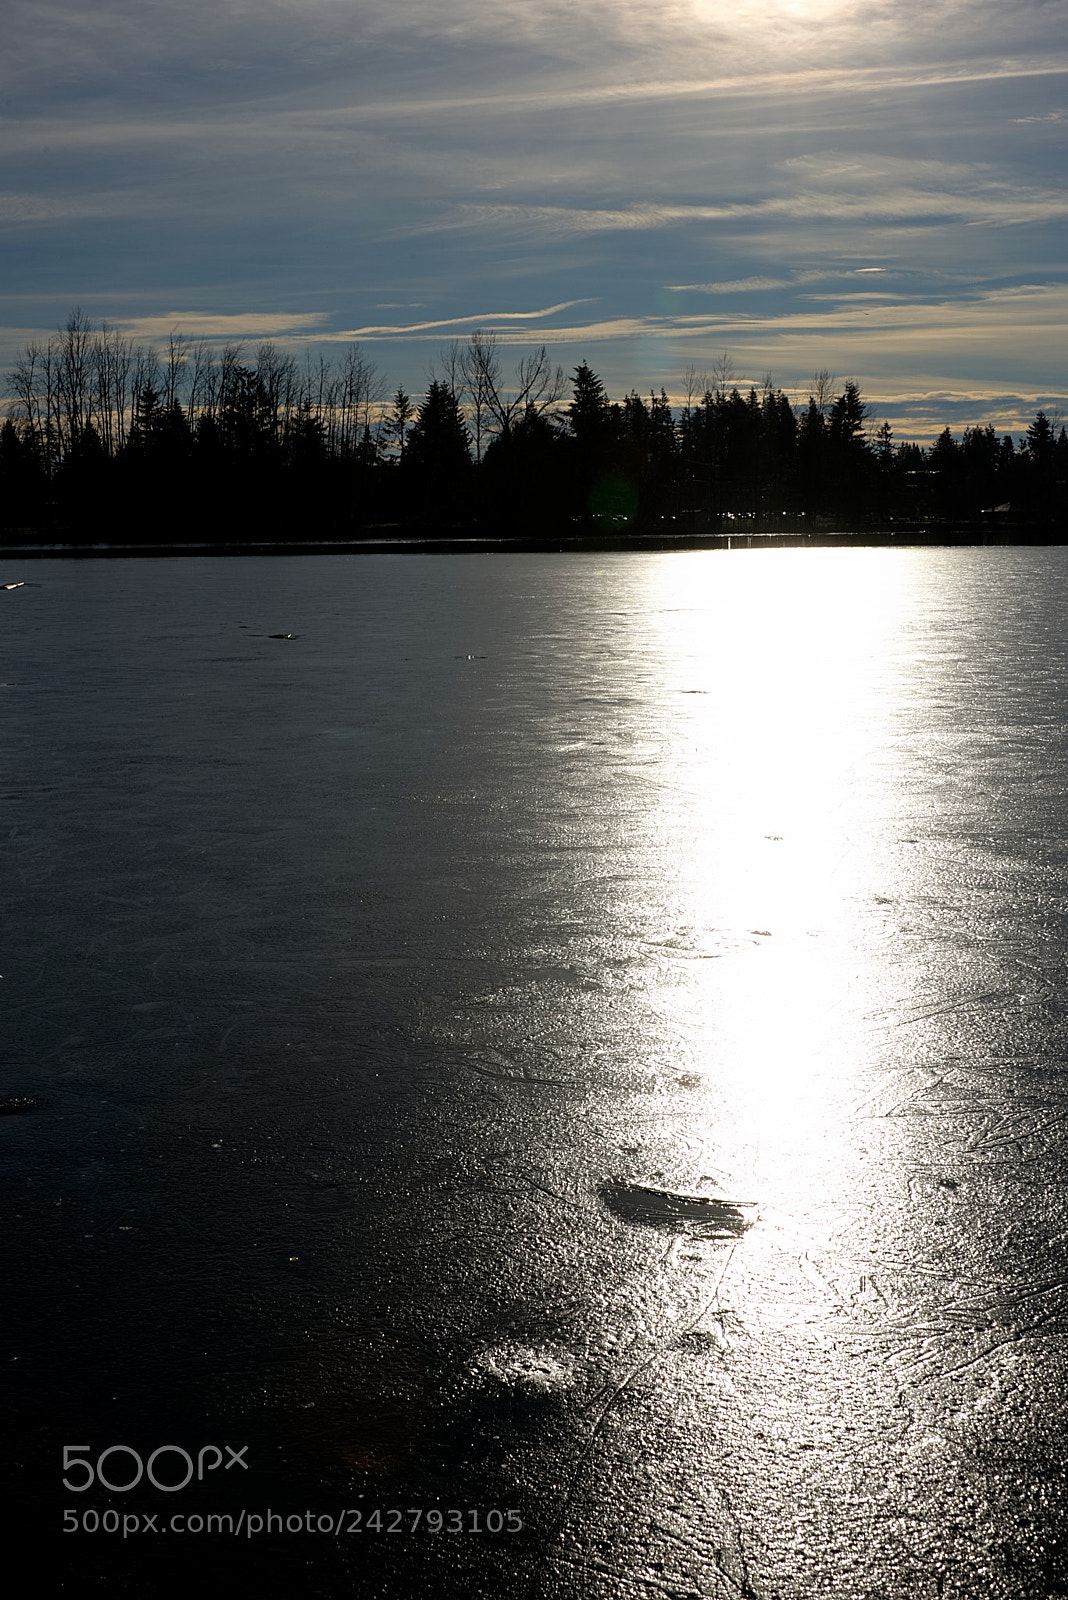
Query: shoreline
[462, 544]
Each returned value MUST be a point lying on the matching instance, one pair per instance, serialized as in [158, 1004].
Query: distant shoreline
[471, 544]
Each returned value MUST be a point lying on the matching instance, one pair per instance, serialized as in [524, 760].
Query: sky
[879, 189]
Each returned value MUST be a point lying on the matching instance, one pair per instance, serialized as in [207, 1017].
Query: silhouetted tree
[108, 436]
[588, 412]
[1040, 452]
[813, 460]
[945, 469]
[438, 473]
[398, 421]
[523, 476]
[779, 451]
[643, 456]
[23, 480]
[497, 406]
[980, 482]
[850, 460]
[589, 420]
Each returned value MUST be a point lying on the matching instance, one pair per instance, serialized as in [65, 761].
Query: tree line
[107, 440]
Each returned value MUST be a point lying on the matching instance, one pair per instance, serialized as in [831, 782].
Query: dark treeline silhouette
[111, 442]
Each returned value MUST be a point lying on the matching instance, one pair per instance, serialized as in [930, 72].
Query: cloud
[792, 81]
[733, 285]
[271, 118]
[744, 285]
[1011, 328]
[922, 416]
[339, 154]
[909, 356]
[214, 326]
[867, 194]
[158, 52]
[30, 209]
[862, 326]
[474, 319]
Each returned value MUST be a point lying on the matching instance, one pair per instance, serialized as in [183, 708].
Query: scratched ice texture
[576, 1034]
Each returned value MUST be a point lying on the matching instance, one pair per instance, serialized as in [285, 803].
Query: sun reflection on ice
[776, 673]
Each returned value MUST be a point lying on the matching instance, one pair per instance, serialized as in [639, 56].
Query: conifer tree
[592, 428]
[438, 471]
[588, 413]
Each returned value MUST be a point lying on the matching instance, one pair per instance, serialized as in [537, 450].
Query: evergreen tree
[812, 459]
[778, 428]
[588, 413]
[1060, 476]
[850, 460]
[306, 440]
[1040, 450]
[943, 471]
[23, 480]
[140, 438]
[523, 475]
[847, 416]
[978, 486]
[643, 458]
[438, 473]
[590, 421]
[398, 421]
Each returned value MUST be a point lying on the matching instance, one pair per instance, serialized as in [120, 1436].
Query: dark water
[576, 1036]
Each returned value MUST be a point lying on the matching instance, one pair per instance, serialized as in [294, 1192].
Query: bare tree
[277, 375]
[74, 367]
[536, 388]
[201, 391]
[29, 382]
[822, 390]
[173, 368]
[359, 391]
[723, 373]
[229, 369]
[111, 358]
[467, 370]
[449, 368]
[695, 386]
[313, 385]
[147, 378]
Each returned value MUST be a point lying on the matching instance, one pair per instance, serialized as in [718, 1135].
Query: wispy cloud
[338, 158]
[791, 81]
[856, 330]
[732, 286]
[473, 320]
[237, 326]
[259, 122]
[759, 284]
[1035, 308]
[160, 54]
[42, 208]
[994, 202]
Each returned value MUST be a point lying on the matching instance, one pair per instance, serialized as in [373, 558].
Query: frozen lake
[576, 1036]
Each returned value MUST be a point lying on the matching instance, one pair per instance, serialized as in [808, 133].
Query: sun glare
[775, 676]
